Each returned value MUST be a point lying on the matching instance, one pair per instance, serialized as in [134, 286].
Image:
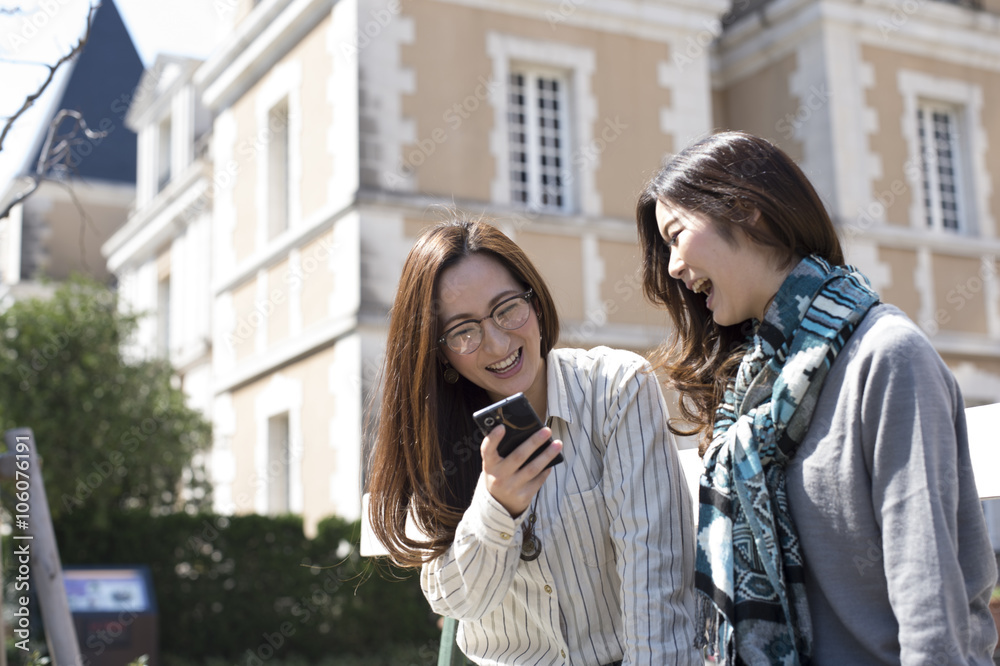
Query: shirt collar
[558, 397]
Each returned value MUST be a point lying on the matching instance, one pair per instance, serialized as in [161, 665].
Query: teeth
[506, 363]
[700, 285]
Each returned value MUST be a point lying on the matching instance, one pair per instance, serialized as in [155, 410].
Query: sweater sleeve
[652, 525]
[472, 577]
[913, 421]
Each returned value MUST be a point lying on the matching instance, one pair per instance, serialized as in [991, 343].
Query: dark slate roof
[100, 87]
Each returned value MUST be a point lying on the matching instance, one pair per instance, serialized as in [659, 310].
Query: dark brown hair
[426, 458]
[729, 179]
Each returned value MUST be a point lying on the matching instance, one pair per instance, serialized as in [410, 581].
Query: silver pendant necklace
[531, 546]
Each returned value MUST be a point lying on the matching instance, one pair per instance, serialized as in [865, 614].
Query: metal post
[449, 654]
[33, 534]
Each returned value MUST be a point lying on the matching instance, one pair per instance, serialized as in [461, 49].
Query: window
[278, 465]
[937, 129]
[277, 170]
[538, 133]
[163, 156]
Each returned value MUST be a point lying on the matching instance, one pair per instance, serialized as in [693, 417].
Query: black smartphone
[520, 422]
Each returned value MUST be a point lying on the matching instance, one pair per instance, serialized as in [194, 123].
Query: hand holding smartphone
[520, 422]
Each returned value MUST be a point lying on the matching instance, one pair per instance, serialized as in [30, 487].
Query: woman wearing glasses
[587, 562]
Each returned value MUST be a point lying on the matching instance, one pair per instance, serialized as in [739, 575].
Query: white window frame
[535, 189]
[966, 99]
[577, 64]
[282, 85]
[281, 396]
[279, 459]
[931, 185]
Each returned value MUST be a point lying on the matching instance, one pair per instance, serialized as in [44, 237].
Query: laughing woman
[589, 562]
[839, 520]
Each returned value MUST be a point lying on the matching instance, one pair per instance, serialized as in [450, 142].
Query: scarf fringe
[711, 624]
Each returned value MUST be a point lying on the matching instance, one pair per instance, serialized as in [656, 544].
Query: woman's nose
[494, 337]
[675, 265]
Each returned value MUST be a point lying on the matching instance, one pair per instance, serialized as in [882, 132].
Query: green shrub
[248, 588]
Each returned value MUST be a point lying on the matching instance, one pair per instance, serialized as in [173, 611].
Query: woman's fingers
[509, 480]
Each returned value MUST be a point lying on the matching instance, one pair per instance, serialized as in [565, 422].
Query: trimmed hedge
[248, 588]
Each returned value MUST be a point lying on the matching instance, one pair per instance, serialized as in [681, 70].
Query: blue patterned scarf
[749, 575]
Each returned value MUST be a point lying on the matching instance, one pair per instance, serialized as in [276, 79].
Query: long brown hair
[426, 458]
[729, 179]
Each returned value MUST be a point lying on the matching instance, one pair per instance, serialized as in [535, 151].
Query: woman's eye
[673, 239]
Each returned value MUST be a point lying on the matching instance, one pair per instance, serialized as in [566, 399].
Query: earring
[451, 375]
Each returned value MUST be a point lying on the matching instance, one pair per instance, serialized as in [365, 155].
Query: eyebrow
[669, 225]
[464, 316]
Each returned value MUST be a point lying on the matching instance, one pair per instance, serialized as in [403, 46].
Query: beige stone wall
[759, 102]
[720, 120]
[560, 261]
[889, 143]
[321, 457]
[317, 279]
[243, 303]
[991, 6]
[316, 117]
[959, 295]
[621, 289]
[73, 244]
[278, 296]
[243, 445]
[452, 39]
[901, 293]
[245, 184]
[318, 459]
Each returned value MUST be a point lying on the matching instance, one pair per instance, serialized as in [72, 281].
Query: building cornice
[260, 40]
[948, 32]
[281, 354]
[658, 20]
[908, 238]
[149, 228]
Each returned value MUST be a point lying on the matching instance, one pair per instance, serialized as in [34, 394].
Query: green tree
[112, 433]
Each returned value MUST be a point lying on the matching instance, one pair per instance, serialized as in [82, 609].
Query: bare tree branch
[31, 99]
[55, 155]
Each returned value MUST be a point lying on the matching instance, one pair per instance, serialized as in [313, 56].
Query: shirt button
[548, 588]
[504, 536]
[563, 653]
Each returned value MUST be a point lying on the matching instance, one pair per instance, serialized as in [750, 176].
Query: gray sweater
[898, 560]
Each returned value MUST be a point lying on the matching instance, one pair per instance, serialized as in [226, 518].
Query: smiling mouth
[507, 363]
[702, 285]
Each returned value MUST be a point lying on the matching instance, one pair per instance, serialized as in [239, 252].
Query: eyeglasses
[509, 314]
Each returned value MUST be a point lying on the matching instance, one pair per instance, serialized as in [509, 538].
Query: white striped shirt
[615, 576]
